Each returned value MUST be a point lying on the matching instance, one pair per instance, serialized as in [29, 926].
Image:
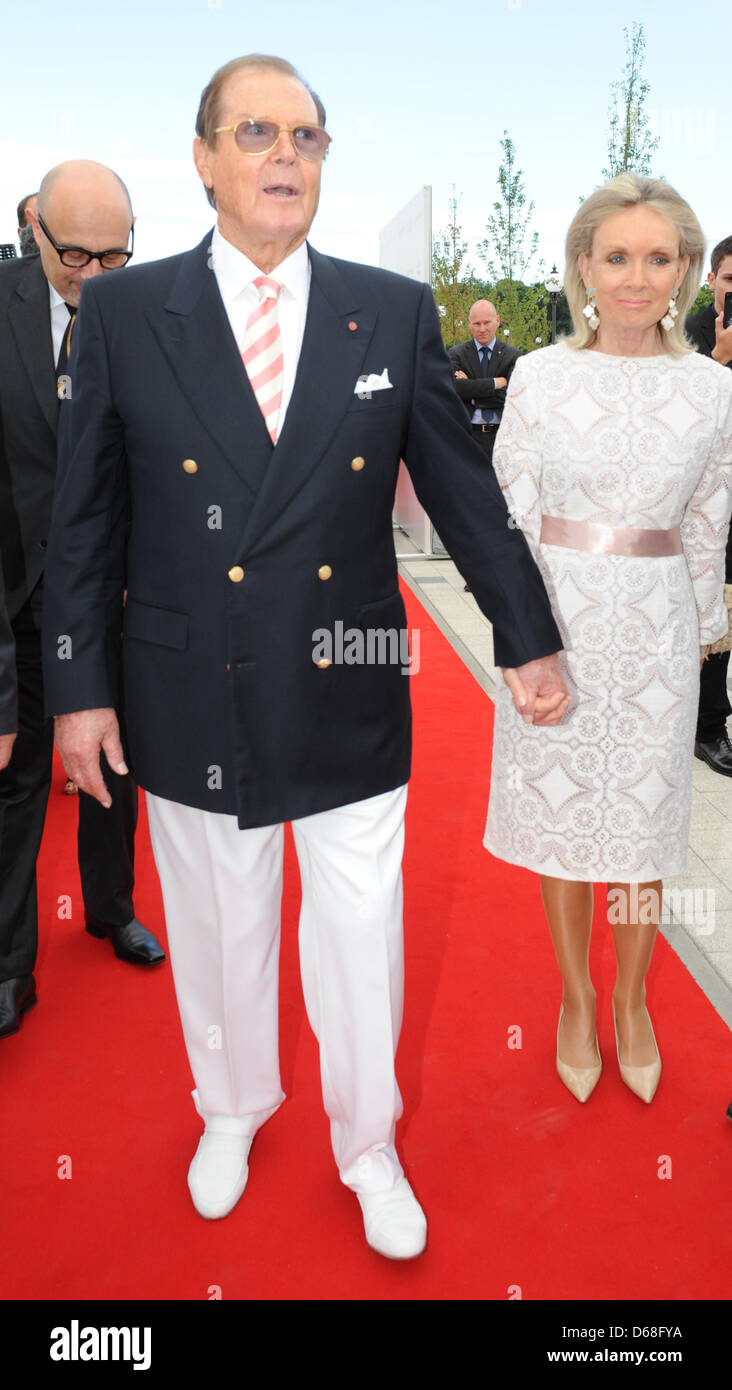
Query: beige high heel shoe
[581, 1081]
[642, 1081]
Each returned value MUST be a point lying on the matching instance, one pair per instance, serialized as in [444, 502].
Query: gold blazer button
[190, 466]
[323, 663]
[324, 572]
[236, 574]
[357, 464]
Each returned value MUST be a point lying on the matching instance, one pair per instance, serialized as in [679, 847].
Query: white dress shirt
[234, 275]
[59, 319]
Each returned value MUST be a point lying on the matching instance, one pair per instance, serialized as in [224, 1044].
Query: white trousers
[222, 890]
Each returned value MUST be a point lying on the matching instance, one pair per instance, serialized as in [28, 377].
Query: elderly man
[254, 398]
[82, 225]
[483, 367]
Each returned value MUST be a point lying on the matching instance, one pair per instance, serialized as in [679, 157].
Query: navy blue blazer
[225, 706]
[8, 684]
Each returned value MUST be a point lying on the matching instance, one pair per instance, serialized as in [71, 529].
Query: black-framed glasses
[75, 257]
[259, 137]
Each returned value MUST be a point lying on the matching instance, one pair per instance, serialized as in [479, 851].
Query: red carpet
[524, 1188]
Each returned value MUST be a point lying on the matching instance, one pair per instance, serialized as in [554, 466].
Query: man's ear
[201, 161]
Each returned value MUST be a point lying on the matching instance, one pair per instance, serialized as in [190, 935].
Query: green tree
[510, 247]
[453, 281]
[703, 299]
[630, 142]
[524, 314]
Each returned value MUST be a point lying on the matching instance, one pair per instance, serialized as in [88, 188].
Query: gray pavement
[697, 906]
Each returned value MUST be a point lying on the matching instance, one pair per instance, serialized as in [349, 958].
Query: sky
[415, 93]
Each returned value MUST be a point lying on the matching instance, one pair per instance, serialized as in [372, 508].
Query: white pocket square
[373, 382]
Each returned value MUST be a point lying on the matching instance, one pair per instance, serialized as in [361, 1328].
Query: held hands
[722, 351]
[79, 738]
[539, 693]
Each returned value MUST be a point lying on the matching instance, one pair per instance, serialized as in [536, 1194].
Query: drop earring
[590, 310]
[672, 313]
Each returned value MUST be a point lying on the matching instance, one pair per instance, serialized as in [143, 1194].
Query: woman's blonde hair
[627, 191]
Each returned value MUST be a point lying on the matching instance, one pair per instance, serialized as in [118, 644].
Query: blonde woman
[615, 455]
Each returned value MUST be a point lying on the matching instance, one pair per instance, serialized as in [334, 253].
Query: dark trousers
[106, 838]
[486, 439]
[714, 705]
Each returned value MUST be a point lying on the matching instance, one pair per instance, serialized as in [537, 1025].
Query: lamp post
[553, 287]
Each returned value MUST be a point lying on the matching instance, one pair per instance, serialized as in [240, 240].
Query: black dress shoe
[716, 753]
[133, 942]
[15, 997]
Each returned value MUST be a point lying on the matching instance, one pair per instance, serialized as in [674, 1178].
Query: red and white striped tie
[262, 352]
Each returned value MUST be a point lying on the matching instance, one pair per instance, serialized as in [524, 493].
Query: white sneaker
[219, 1171]
[394, 1222]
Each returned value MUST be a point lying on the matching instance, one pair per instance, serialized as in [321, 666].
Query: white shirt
[234, 275]
[59, 319]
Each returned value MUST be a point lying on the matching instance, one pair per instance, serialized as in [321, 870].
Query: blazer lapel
[195, 334]
[331, 361]
[29, 316]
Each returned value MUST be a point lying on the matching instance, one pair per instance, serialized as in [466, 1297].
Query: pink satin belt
[609, 540]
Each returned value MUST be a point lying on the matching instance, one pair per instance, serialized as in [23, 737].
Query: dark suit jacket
[29, 409]
[464, 358]
[8, 691]
[226, 709]
[700, 328]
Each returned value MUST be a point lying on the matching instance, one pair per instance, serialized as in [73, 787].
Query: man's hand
[539, 693]
[6, 748]
[500, 382]
[722, 351]
[79, 739]
[463, 376]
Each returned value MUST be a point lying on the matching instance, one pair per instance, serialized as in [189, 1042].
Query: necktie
[63, 357]
[262, 352]
[485, 359]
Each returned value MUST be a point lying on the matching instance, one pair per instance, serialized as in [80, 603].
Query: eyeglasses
[259, 137]
[75, 256]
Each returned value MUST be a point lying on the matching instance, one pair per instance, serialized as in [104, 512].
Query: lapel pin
[352, 326]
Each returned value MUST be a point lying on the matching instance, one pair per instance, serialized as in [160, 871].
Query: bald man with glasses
[82, 225]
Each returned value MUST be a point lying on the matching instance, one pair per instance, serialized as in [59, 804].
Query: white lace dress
[625, 442]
